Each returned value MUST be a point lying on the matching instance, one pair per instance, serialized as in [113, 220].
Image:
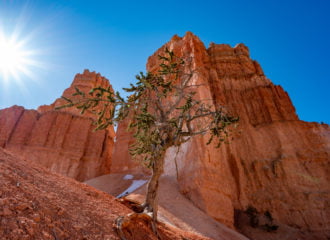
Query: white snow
[135, 185]
[128, 177]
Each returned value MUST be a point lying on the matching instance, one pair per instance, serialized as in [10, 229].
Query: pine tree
[164, 112]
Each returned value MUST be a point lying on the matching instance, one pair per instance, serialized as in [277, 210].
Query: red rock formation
[84, 82]
[122, 161]
[277, 164]
[63, 141]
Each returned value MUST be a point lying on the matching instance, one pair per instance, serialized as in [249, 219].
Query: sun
[11, 57]
[15, 60]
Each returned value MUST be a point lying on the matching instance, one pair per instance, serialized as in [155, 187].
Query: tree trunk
[151, 203]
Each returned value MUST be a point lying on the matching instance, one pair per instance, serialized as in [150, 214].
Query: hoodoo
[275, 169]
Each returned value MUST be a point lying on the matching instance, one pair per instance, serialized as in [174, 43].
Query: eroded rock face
[122, 161]
[62, 141]
[275, 163]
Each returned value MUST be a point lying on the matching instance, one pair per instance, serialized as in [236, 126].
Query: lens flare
[16, 61]
[11, 58]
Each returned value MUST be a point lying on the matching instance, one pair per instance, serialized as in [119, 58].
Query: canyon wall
[275, 164]
[62, 141]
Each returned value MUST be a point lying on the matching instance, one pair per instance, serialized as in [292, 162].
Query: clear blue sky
[290, 39]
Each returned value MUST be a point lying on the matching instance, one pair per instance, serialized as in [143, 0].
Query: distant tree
[163, 110]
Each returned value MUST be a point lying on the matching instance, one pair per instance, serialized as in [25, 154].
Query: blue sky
[290, 39]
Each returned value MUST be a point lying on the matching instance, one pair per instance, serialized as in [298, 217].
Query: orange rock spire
[277, 164]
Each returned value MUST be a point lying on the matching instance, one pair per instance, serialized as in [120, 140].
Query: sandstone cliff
[62, 141]
[277, 165]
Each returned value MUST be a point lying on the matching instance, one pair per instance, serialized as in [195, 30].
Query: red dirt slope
[38, 204]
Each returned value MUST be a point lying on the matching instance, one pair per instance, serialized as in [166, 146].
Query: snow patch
[135, 185]
[128, 177]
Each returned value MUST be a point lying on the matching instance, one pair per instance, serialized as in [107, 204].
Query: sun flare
[11, 57]
[15, 60]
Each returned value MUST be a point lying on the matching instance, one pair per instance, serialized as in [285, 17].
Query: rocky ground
[38, 204]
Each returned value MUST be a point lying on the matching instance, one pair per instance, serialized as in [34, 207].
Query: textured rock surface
[122, 161]
[62, 141]
[276, 164]
[38, 204]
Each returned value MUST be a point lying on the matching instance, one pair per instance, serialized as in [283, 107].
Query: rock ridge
[62, 141]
